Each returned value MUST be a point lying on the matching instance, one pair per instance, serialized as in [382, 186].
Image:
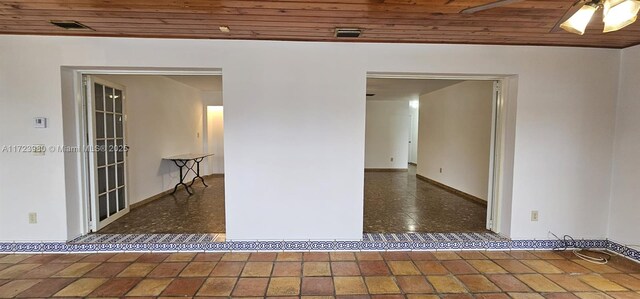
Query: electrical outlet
[441, 170]
[391, 159]
[33, 218]
[534, 215]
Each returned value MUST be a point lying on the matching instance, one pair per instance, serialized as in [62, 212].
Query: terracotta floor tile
[541, 266]
[568, 266]
[414, 284]
[526, 296]
[317, 297]
[16, 270]
[624, 265]
[315, 257]
[289, 257]
[560, 296]
[459, 267]
[547, 255]
[422, 256]
[456, 296]
[217, 286]
[81, 287]
[15, 287]
[44, 271]
[317, 286]
[107, 270]
[478, 283]
[183, 287]
[208, 257]
[368, 256]
[342, 256]
[263, 256]
[235, 257]
[150, 287]
[372, 268]
[422, 296]
[571, 283]
[514, 266]
[69, 258]
[497, 255]
[250, 287]
[76, 270]
[508, 283]
[284, 286]
[125, 257]
[381, 285]
[181, 257]
[115, 287]
[198, 269]
[345, 269]
[446, 255]
[4, 266]
[592, 295]
[316, 269]
[625, 280]
[137, 270]
[14, 258]
[539, 283]
[396, 256]
[523, 255]
[446, 284]
[403, 268]
[596, 267]
[167, 269]
[431, 268]
[227, 269]
[492, 296]
[257, 269]
[46, 288]
[487, 266]
[287, 269]
[471, 255]
[624, 295]
[351, 285]
[40, 259]
[97, 257]
[601, 283]
[152, 258]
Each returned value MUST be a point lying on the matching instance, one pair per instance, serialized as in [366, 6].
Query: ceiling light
[70, 25]
[348, 32]
[619, 14]
[579, 21]
[224, 29]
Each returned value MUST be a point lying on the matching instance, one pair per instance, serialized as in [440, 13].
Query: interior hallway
[399, 202]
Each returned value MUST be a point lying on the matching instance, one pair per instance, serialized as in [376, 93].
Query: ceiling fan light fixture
[619, 14]
[578, 22]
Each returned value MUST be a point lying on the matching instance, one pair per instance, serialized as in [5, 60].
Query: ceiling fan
[617, 14]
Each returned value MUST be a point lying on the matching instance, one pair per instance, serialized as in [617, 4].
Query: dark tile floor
[202, 212]
[398, 202]
[432, 275]
[394, 202]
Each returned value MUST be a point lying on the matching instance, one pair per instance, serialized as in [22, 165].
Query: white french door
[106, 123]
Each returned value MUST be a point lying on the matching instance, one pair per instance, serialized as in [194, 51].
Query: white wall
[387, 134]
[164, 118]
[414, 107]
[295, 126]
[455, 136]
[624, 216]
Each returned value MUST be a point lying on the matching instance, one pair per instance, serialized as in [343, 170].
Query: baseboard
[453, 190]
[386, 169]
[167, 192]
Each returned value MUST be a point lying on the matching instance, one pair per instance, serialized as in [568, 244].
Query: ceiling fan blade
[491, 5]
[573, 9]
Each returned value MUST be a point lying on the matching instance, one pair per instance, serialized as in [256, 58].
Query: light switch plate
[39, 122]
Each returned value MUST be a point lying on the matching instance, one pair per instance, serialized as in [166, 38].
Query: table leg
[182, 177]
[197, 161]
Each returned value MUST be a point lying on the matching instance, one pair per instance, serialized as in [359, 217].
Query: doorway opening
[157, 159]
[431, 164]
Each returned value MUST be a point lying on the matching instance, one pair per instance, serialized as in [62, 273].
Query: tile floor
[394, 202]
[466, 274]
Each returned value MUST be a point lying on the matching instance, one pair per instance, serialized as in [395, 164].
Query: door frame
[84, 189]
[502, 143]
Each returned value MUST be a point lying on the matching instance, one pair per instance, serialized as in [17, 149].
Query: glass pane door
[106, 121]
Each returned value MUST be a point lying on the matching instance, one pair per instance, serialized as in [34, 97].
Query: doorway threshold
[148, 239]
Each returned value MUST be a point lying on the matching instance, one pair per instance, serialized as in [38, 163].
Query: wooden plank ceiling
[413, 21]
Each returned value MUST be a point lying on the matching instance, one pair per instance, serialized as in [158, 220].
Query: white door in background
[107, 155]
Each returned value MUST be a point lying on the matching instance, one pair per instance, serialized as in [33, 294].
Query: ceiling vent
[348, 32]
[71, 25]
